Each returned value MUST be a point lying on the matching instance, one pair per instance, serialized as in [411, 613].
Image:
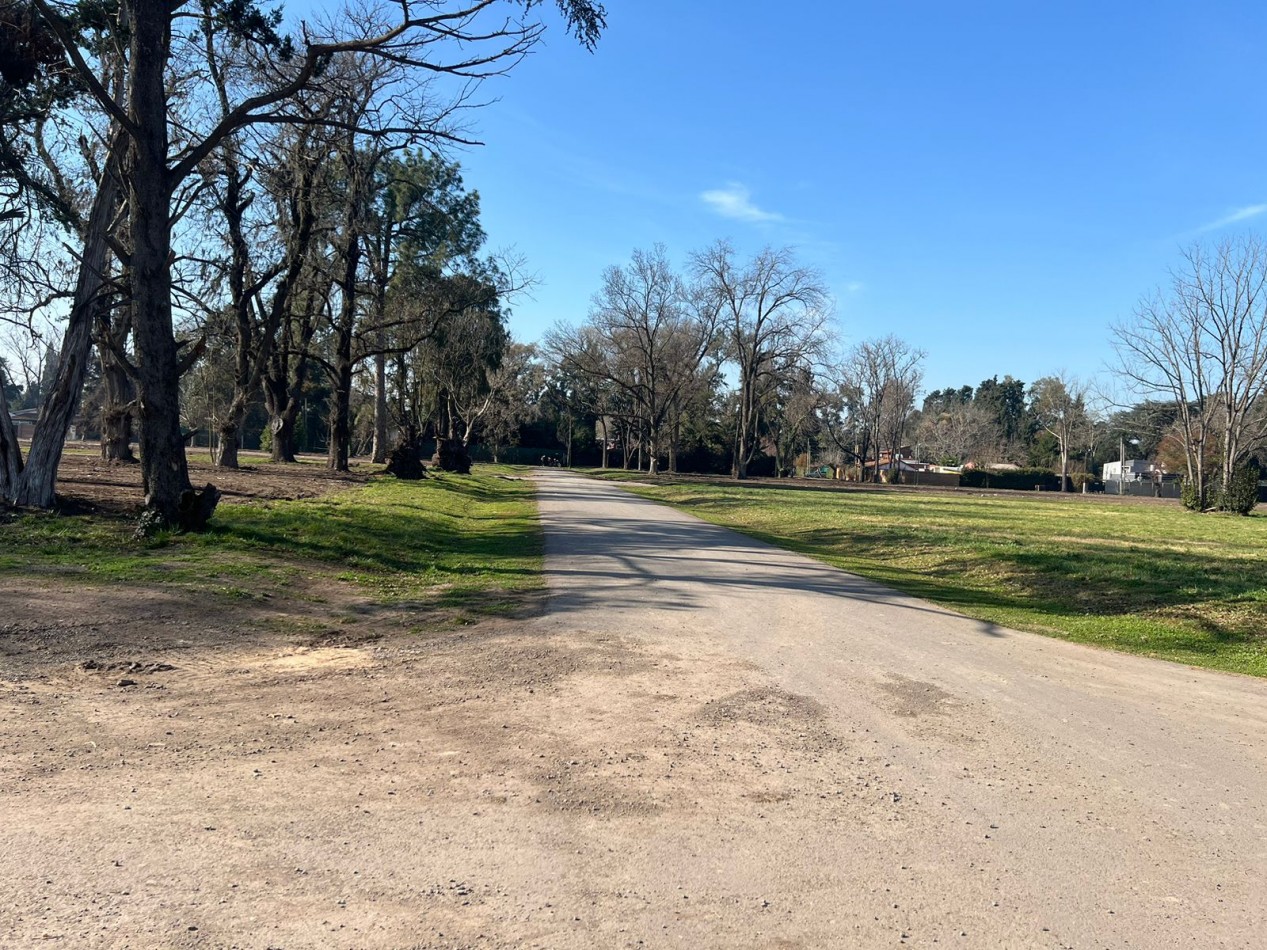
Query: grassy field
[1143, 578]
[466, 545]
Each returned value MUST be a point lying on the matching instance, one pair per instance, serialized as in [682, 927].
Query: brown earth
[86, 483]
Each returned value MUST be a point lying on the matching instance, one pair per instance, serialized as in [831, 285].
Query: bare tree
[1201, 344]
[645, 336]
[163, 144]
[957, 432]
[1058, 403]
[772, 313]
[882, 377]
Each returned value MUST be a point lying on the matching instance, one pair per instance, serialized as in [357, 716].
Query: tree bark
[120, 392]
[380, 405]
[164, 468]
[226, 450]
[10, 451]
[38, 483]
[339, 450]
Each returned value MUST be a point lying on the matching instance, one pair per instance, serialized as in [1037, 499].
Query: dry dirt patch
[84, 482]
[188, 784]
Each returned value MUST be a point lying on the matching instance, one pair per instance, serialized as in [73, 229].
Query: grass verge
[467, 545]
[1149, 579]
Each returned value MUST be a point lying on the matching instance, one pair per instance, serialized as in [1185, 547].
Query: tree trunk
[380, 405]
[10, 451]
[38, 482]
[570, 428]
[164, 468]
[343, 365]
[282, 428]
[225, 454]
[339, 450]
[674, 439]
[116, 434]
[120, 393]
[602, 421]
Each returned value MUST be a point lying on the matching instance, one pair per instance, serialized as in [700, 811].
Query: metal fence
[1142, 489]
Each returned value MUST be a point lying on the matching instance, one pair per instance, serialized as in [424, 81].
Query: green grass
[469, 545]
[1150, 579]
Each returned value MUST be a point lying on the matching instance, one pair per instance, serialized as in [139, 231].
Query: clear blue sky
[994, 181]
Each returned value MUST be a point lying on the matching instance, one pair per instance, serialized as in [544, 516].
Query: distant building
[24, 422]
[1132, 470]
[1139, 477]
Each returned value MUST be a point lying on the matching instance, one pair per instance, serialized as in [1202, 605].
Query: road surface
[926, 778]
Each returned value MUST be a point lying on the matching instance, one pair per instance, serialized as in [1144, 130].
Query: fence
[1142, 489]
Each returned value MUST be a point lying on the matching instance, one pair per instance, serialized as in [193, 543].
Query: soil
[315, 771]
[87, 484]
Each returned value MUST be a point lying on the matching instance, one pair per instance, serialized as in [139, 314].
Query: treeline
[198, 191]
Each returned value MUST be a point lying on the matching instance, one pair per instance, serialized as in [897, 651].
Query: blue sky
[995, 182]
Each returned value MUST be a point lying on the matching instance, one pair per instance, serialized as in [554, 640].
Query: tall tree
[882, 378]
[1058, 404]
[647, 336]
[772, 312]
[1201, 345]
[164, 143]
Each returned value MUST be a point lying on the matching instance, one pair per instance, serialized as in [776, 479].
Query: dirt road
[701, 742]
[932, 777]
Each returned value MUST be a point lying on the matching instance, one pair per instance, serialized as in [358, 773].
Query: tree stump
[404, 463]
[452, 456]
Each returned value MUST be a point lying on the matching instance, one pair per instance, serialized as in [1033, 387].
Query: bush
[1189, 496]
[1078, 479]
[1241, 494]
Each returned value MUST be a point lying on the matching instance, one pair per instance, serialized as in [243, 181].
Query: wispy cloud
[1240, 214]
[855, 286]
[735, 201]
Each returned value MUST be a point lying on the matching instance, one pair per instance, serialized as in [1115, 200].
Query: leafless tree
[161, 142]
[958, 432]
[646, 336]
[1059, 405]
[882, 377]
[1201, 344]
[772, 313]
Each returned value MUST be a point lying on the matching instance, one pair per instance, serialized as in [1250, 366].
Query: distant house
[24, 422]
[906, 471]
[1132, 470]
[1139, 477]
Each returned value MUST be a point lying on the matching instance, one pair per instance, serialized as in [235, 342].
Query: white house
[1132, 470]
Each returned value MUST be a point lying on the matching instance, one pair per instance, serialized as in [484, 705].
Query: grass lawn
[1150, 579]
[467, 545]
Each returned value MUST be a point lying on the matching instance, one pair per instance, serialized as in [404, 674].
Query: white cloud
[855, 286]
[735, 201]
[1240, 214]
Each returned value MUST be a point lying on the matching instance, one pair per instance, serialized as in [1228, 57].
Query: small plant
[1192, 499]
[1240, 495]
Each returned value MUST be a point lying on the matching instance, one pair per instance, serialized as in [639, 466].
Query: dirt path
[704, 742]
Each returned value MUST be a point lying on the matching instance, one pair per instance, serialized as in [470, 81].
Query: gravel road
[968, 785]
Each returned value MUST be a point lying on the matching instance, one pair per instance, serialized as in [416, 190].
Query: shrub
[1078, 479]
[1189, 497]
[1240, 495]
